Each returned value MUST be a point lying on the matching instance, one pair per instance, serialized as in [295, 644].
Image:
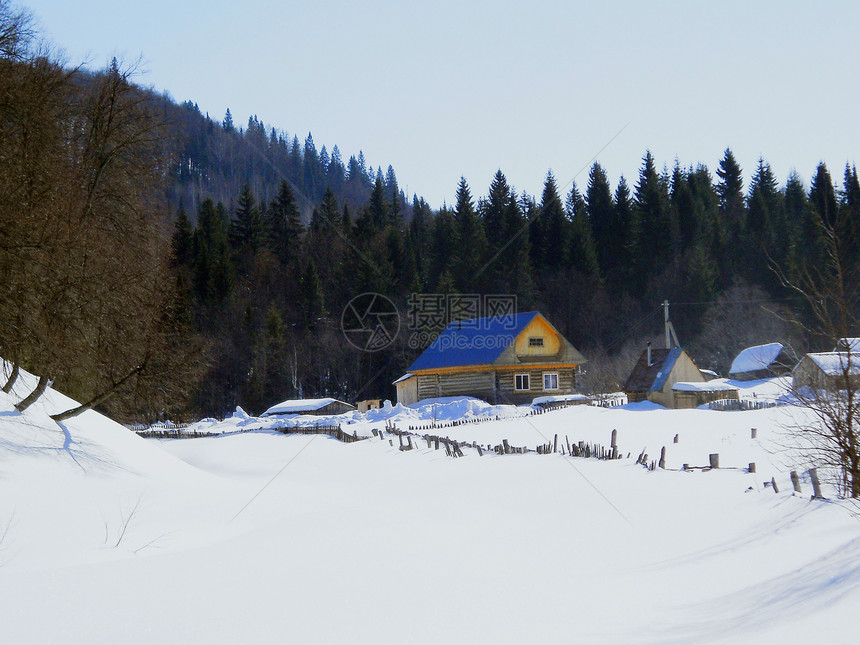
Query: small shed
[692, 395]
[319, 407]
[832, 371]
[761, 361]
[369, 404]
[656, 373]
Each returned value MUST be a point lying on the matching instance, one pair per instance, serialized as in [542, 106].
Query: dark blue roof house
[503, 359]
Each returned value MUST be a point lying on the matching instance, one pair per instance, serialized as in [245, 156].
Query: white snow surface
[836, 363]
[716, 385]
[755, 358]
[297, 406]
[259, 537]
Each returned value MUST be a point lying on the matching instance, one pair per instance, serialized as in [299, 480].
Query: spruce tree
[652, 210]
[247, 230]
[732, 207]
[284, 226]
[182, 240]
[582, 252]
[469, 251]
[555, 227]
[601, 216]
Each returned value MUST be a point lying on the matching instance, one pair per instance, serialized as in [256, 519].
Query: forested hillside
[269, 292]
[158, 262]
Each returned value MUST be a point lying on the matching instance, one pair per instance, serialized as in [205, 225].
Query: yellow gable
[538, 339]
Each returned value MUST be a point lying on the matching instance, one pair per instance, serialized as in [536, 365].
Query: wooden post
[436, 439]
[816, 485]
[507, 446]
[773, 485]
[675, 440]
[795, 481]
[663, 458]
[555, 443]
[753, 433]
[714, 459]
[752, 467]
[480, 452]
[568, 444]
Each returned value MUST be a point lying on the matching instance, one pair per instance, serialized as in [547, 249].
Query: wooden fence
[730, 405]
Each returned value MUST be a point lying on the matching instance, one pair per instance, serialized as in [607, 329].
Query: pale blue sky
[453, 88]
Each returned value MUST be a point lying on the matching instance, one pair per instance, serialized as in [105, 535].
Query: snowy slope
[265, 538]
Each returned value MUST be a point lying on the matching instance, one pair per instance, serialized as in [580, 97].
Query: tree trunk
[12, 378]
[44, 384]
[73, 412]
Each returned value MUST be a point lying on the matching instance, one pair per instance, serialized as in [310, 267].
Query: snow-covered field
[260, 537]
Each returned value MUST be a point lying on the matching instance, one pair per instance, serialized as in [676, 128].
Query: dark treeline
[268, 292]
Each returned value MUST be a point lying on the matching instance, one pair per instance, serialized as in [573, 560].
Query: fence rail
[729, 405]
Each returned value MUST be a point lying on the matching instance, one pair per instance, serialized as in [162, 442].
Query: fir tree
[182, 243]
[284, 225]
[467, 255]
[247, 231]
[601, 217]
[582, 251]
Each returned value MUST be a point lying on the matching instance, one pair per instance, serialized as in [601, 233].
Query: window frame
[550, 374]
[526, 381]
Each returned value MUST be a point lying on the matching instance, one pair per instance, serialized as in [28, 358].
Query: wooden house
[832, 371]
[502, 359]
[318, 407]
[761, 361]
[657, 371]
[691, 395]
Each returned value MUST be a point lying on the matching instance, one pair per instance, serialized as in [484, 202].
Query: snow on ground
[269, 538]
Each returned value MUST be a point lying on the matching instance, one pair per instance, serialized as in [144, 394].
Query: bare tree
[831, 439]
[89, 301]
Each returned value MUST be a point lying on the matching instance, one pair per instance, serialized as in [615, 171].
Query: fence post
[795, 480]
[816, 485]
[663, 458]
[714, 459]
[752, 467]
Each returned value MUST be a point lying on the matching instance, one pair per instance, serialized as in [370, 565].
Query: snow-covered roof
[848, 345]
[718, 385]
[403, 378]
[755, 358]
[835, 363]
[297, 406]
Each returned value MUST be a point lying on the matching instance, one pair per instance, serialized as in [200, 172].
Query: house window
[521, 382]
[550, 381]
[535, 342]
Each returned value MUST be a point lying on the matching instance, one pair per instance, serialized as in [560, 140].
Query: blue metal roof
[479, 341]
[665, 369]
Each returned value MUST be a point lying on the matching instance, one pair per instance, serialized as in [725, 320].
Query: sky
[446, 89]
